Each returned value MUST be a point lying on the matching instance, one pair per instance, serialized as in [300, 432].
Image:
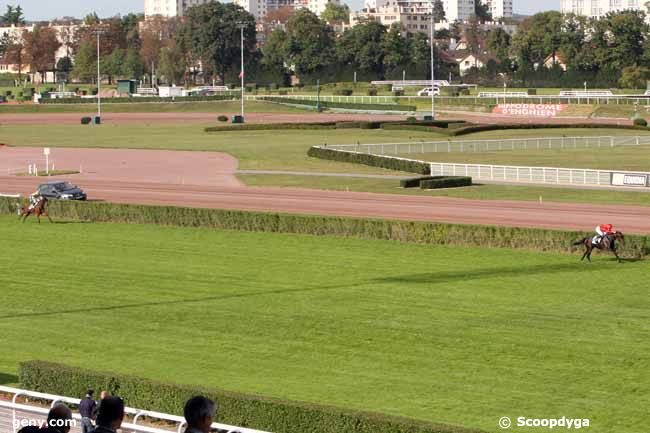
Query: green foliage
[391, 163]
[342, 105]
[294, 125]
[309, 42]
[634, 77]
[639, 121]
[281, 416]
[86, 120]
[137, 100]
[85, 65]
[403, 231]
[222, 118]
[446, 182]
[13, 16]
[336, 14]
[343, 92]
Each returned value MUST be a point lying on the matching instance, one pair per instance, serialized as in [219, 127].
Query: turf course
[454, 335]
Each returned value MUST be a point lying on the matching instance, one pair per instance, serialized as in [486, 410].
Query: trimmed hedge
[364, 228]
[136, 100]
[433, 182]
[640, 121]
[252, 411]
[304, 126]
[497, 127]
[86, 120]
[446, 182]
[342, 105]
[392, 163]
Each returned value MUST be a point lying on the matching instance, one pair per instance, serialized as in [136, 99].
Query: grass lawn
[472, 336]
[478, 192]
[152, 107]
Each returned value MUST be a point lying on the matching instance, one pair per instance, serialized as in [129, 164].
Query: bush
[446, 182]
[86, 120]
[273, 126]
[222, 118]
[370, 125]
[343, 92]
[403, 231]
[392, 163]
[282, 92]
[532, 91]
[398, 92]
[341, 105]
[372, 91]
[411, 119]
[138, 100]
[270, 414]
[640, 121]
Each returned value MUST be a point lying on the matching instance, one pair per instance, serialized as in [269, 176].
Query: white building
[599, 8]
[499, 8]
[259, 8]
[413, 14]
[169, 8]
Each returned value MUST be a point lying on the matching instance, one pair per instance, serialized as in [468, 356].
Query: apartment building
[412, 14]
[599, 8]
[169, 8]
[259, 8]
[499, 8]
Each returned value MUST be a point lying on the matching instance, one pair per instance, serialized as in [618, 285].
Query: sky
[48, 9]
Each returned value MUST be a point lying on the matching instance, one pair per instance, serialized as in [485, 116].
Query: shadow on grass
[8, 378]
[468, 275]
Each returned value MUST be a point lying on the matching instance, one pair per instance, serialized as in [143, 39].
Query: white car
[427, 91]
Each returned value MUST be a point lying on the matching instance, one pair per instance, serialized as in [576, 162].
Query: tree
[13, 16]
[439, 11]
[212, 32]
[310, 43]
[395, 49]
[172, 63]
[15, 54]
[64, 64]
[274, 51]
[41, 45]
[85, 63]
[420, 54]
[473, 36]
[361, 47]
[336, 14]
[482, 11]
[498, 42]
[634, 77]
[112, 65]
[132, 64]
[91, 19]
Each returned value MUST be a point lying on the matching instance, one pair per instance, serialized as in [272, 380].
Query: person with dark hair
[110, 415]
[102, 395]
[199, 412]
[59, 420]
[87, 411]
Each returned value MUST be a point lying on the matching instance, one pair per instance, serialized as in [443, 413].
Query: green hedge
[342, 105]
[391, 163]
[433, 182]
[252, 411]
[471, 129]
[364, 228]
[137, 100]
[446, 182]
[304, 126]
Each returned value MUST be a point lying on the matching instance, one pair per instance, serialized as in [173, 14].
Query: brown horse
[607, 243]
[38, 209]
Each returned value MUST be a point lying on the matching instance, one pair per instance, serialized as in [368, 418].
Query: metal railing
[178, 422]
[543, 175]
[503, 95]
[511, 144]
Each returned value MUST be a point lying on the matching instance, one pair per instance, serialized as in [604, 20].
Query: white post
[242, 70]
[433, 99]
[47, 164]
[99, 84]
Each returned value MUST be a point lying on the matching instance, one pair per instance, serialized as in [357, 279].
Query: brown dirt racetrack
[208, 181]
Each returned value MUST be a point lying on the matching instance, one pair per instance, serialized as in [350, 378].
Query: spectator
[110, 415]
[59, 420]
[102, 395]
[198, 413]
[87, 411]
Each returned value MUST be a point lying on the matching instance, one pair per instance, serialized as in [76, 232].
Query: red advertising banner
[530, 110]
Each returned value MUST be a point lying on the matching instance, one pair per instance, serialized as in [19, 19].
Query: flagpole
[241, 27]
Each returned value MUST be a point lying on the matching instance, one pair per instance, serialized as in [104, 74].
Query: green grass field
[454, 335]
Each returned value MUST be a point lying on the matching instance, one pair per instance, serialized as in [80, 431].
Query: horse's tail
[580, 242]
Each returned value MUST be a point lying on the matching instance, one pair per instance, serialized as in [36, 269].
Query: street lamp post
[318, 110]
[99, 83]
[433, 100]
[241, 75]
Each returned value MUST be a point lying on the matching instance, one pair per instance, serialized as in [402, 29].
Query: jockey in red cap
[602, 231]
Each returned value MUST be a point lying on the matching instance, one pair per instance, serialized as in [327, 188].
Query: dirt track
[130, 118]
[206, 179]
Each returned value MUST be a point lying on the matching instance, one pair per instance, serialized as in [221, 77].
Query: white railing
[412, 83]
[586, 93]
[542, 175]
[178, 422]
[503, 95]
[150, 91]
[494, 145]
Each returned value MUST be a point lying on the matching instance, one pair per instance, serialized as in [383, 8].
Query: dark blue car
[61, 190]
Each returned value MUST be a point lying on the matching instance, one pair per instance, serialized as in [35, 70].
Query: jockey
[33, 199]
[602, 231]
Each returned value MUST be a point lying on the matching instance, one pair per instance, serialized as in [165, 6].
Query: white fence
[503, 95]
[543, 175]
[177, 423]
[494, 145]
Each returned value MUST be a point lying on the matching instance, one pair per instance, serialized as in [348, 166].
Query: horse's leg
[38, 216]
[616, 254]
[48, 216]
[585, 254]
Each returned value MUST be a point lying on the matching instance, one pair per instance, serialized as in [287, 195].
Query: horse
[38, 209]
[607, 243]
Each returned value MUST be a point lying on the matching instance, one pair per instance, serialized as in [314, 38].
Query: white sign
[629, 179]
[46, 151]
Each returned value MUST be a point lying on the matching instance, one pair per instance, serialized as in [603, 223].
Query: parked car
[61, 190]
[427, 91]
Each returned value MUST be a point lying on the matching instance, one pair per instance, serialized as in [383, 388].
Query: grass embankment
[472, 336]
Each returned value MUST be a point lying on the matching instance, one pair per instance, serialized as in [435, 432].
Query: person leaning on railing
[87, 411]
